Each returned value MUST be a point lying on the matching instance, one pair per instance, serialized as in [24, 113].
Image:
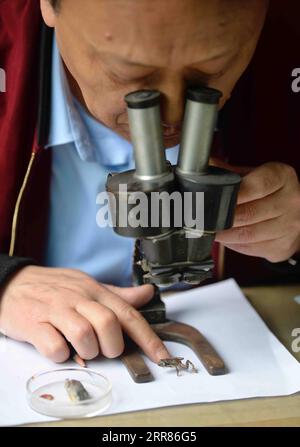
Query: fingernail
[79, 361]
[162, 354]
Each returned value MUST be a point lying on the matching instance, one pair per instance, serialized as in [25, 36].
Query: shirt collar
[71, 123]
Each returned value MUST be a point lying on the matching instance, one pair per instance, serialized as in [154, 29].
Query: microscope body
[185, 204]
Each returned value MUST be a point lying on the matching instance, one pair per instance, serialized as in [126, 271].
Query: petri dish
[47, 394]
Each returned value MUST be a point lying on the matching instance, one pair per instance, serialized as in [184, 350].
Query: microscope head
[183, 206]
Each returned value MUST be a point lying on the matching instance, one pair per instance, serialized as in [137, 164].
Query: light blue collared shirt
[84, 151]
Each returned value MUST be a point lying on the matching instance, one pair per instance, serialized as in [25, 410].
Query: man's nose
[173, 100]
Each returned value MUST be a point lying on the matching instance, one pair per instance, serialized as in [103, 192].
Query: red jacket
[261, 123]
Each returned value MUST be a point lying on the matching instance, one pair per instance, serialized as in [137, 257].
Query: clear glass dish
[56, 401]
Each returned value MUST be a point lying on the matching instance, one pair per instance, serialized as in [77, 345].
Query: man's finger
[49, 342]
[135, 325]
[262, 181]
[270, 250]
[260, 232]
[106, 326]
[259, 210]
[242, 170]
[136, 296]
[78, 331]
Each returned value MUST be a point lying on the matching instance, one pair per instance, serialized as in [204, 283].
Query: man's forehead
[152, 32]
[148, 46]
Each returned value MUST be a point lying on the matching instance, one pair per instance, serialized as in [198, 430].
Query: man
[109, 48]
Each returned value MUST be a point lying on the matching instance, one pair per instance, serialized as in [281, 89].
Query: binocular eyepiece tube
[198, 128]
[146, 131]
[143, 108]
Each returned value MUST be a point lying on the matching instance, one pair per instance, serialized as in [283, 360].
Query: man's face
[112, 47]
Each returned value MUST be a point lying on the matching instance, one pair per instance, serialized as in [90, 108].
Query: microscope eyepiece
[198, 127]
[142, 99]
[143, 107]
[206, 95]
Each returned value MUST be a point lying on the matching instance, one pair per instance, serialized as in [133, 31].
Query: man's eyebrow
[120, 59]
[212, 58]
[123, 60]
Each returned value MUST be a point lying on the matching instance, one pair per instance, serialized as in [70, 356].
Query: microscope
[183, 207]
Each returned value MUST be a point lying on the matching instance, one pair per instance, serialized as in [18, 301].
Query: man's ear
[48, 13]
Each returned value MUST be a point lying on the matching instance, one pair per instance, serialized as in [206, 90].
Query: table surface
[281, 313]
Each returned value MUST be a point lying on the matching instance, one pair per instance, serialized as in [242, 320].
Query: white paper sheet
[259, 364]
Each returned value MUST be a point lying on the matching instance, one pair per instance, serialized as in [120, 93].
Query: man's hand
[47, 306]
[267, 216]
